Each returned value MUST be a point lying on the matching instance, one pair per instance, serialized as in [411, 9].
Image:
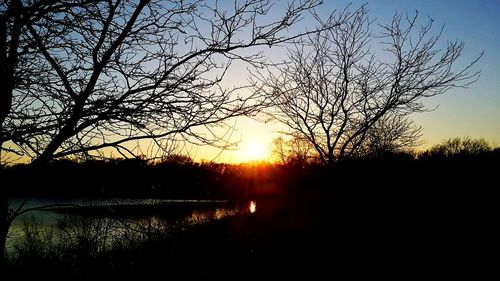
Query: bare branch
[97, 74]
[349, 98]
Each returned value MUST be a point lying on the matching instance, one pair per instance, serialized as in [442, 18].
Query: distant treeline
[439, 204]
[173, 177]
[454, 162]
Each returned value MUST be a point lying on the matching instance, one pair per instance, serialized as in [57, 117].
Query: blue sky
[473, 112]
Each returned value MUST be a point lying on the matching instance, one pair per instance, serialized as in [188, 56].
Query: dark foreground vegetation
[84, 78]
[391, 215]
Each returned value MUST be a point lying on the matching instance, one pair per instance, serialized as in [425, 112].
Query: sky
[472, 112]
[475, 111]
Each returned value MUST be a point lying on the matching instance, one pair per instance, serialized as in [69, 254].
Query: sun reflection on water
[113, 230]
[253, 207]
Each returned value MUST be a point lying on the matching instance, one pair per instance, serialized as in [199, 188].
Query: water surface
[114, 219]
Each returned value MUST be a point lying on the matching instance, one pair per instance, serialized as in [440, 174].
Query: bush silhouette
[460, 147]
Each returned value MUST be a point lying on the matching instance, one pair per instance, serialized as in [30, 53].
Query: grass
[283, 239]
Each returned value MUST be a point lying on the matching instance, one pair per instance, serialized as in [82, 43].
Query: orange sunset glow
[254, 151]
[137, 136]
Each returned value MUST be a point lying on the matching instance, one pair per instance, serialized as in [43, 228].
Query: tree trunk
[4, 228]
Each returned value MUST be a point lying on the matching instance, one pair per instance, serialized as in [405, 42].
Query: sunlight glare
[253, 207]
[255, 151]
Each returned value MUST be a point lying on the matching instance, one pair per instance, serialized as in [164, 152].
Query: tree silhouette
[390, 134]
[341, 87]
[83, 75]
[456, 147]
[105, 73]
[296, 151]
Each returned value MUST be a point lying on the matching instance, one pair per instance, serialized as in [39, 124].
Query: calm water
[113, 219]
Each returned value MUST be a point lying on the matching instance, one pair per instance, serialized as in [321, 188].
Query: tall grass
[73, 246]
[81, 246]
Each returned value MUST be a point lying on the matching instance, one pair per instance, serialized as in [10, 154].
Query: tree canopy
[352, 86]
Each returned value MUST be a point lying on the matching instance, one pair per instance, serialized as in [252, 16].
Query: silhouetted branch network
[88, 75]
[348, 89]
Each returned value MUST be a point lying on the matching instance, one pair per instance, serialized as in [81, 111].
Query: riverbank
[396, 217]
[308, 236]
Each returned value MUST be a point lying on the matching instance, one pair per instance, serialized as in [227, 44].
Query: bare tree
[339, 86]
[105, 73]
[390, 134]
[465, 147]
[84, 75]
[295, 150]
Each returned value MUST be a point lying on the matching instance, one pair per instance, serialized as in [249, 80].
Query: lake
[106, 221]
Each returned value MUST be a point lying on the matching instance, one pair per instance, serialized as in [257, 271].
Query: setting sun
[254, 151]
[136, 137]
